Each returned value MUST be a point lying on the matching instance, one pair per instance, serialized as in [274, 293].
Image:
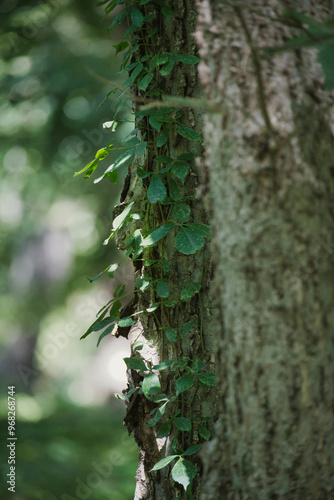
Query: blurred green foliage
[56, 63]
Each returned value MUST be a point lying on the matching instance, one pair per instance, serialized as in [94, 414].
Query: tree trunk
[270, 157]
[175, 36]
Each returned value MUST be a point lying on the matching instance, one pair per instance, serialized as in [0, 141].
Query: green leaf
[167, 68]
[121, 218]
[165, 461]
[111, 269]
[153, 307]
[170, 303]
[198, 365]
[151, 385]
[192, 450]
[135, 73]
[159, 414]
[326, 59]
[91, 167]
[162, 289]
[171, 334]
[135, 364]
[163, 159]
[126, 396]
[165, 266]
[186, 156]
[156, 190]
[126, 322]
[187, 132]
[164, 429]
[117, 20]
[181, 212]
[204, 432]
[136, 16]
[139, 150]
[163, 365]
[190, 290]
[188, 241]
[174, 190]
[182, 423]
[162, 139]
[167, 11]
[154, 123]
[106, 332]
[186, 328]
[200, 229]
[184, 383]
[119, 47]
[143, 174]
[207, 378]
[144, 82]
[184, 472]
[157, 235]
[187, 58]
[180, 170]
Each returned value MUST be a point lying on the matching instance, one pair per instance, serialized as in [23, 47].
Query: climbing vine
[165, 211]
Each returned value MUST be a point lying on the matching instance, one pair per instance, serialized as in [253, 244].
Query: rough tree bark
[176, 36]
[270, 158]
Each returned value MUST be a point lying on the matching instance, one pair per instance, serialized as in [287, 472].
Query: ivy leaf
[181, 212]
[153, 307]
[162, 289]
[165, 461]
[144, 82]
[120, 46]
[187, 132]
[184, 383]
[184, 472]
[106, 332]
[190, 290]
[204, 432]
[117, 20]
[180, 170]
[201, 229]
[136, 16]
[151, 385]
[154, 123]
[126, 322]
[182, 423]
[171, 334]
[157, 235]
[187, 58]
[163, 159]
[207, 378]
[174, 190]
[186, 156]
[126, 396]
[159, 414]
[167, 68]
[156, 190]
[164, 429]
[163, 365]
[188, 241]
[192, 450]
[162, 139]
[135, 364]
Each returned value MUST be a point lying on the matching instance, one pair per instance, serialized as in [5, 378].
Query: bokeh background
[57, 63]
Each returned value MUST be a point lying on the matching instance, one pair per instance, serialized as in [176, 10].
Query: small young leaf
[120, 46]
[135, 73]
[167, 68]
[162, 289]
[192, 450]
[182, 423]
[184, 383]
[174, 190]
[126, 396]
[164, 429]
[181, 212]
[186, 328]
[188, 241]
[184, 472]
[151, 385]
[156, 190]
[204, 432]
[187, 132]
[153, 307]
[198, 365]
[171, 334]
[170, 303]
[186, 156]
[135, 364]
[207, 378]
[106, 332]
[190, 290]
[165, 461]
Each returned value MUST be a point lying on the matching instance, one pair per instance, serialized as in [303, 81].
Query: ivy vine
[167, 212]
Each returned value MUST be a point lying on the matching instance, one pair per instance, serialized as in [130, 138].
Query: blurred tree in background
[56, 61]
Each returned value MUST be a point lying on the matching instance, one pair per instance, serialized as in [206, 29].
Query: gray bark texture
[175, 35]
[270, 166]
